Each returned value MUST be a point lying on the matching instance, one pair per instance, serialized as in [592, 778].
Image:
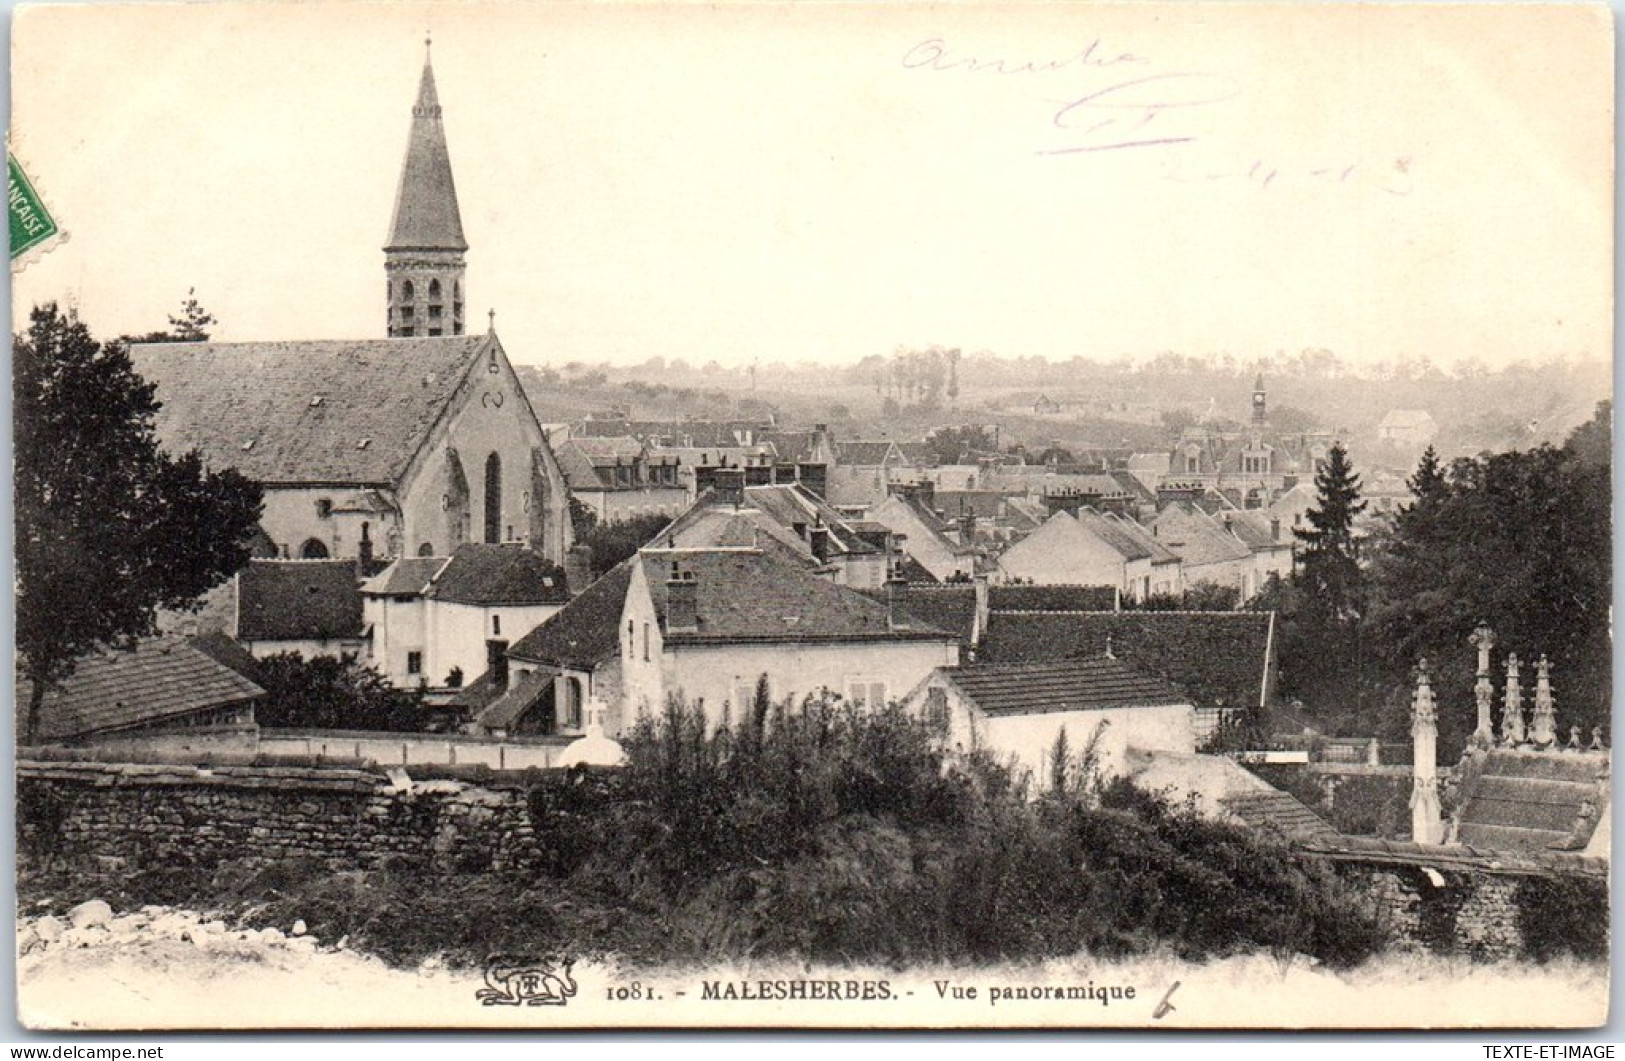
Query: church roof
[352, 411]
[426, 215]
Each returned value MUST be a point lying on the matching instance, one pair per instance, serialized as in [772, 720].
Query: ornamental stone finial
[1427, 825]
[1483, 638]
[1512, 731]
[1543, 725]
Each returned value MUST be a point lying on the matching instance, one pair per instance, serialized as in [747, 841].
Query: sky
[826, 182]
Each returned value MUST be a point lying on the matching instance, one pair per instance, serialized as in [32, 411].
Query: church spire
[423, 260]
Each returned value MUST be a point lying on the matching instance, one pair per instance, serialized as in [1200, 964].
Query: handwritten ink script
[1100, 98]
[1117, 99]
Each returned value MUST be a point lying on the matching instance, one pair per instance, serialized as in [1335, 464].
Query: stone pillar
[1483, 638]
[1512, 733]
[1427, 826]
[1543, 727]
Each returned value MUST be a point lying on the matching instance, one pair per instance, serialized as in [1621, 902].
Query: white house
[1018, 711]
[706, 625]
[923, 538]
[433, 618]
[1093, 550]
[310, 607]
[1408, 427]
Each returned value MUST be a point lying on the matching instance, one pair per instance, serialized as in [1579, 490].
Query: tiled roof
[1072, 685]
[1277, 812]
[520, 696]
[579, 473]
[585, 632]
[1052, 598]
[1408, 418]
[426, 216]
[408, 575]
[919, 454]
[767, 511]
[306, 412]
[1253, 528]
[951, 608]
[1118, 538]
[1530, 802]
[864, 452]
[227, 652]
[609, 449]
[1197, 538]
[160, 679]
[765, 595]
[680, 433]
[298, 600]
[1221, 659]
[499, 574]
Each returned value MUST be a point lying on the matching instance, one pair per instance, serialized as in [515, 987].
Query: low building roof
[586, 631]
[577, 467]
[522, 693]
[865, 452]
[488, 575]
[1279, 813]
[1014, 598]
[408, 575]
[1069, 685]
[1221, 659]
[756, 595]
[157, 680]
[353, 411]
[1197, 538]
[298, 600]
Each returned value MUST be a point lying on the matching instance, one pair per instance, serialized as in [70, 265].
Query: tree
[613, 542]
[192, 326]
[1330, 571]
[333, 693]
[109, 529]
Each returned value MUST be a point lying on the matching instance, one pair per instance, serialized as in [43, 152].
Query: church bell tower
[423, 260]
[1260, 403]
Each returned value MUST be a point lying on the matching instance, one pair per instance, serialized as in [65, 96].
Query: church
[410, 445]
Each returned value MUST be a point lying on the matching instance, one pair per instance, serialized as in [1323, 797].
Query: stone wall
[185, 815]
[1478, 904]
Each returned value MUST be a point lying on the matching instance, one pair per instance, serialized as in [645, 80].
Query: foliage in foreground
[825, 833]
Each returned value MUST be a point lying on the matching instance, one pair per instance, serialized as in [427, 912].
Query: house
[731, 514]
[707, 624]
[1207, 549]
[309, 607]
[922, 535]
[1224, 661]
[439, 621]
[405, 446]
[579, 650]
[163, 693]
[864, 471]
[620, 478]
[1407, 427]
[1019, 712]
[1271, 546]
[1092, 549]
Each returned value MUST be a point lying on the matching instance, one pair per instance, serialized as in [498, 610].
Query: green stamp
[31, 223]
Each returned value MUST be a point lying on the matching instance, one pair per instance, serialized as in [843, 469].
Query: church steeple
[423, 260]
[1260, 403]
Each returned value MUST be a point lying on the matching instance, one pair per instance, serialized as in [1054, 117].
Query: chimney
[982, 608]
[818, 539]
[896, 601]
[1427, 826]
[682, 602]
[578, 568]
[729, 488]
[1275, 528]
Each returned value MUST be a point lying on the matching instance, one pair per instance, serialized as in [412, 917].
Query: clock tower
[1260, 404]
[423, 261]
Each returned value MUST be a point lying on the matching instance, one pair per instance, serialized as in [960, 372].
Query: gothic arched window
[434, 290]
[313, 549]
[493, 499]
[406, 291]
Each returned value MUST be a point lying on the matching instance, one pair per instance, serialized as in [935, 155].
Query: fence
[414, 749]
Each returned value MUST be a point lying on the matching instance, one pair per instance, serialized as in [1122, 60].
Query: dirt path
[166, 969]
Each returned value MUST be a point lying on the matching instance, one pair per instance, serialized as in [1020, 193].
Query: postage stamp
[33, 230]
[981, 516]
